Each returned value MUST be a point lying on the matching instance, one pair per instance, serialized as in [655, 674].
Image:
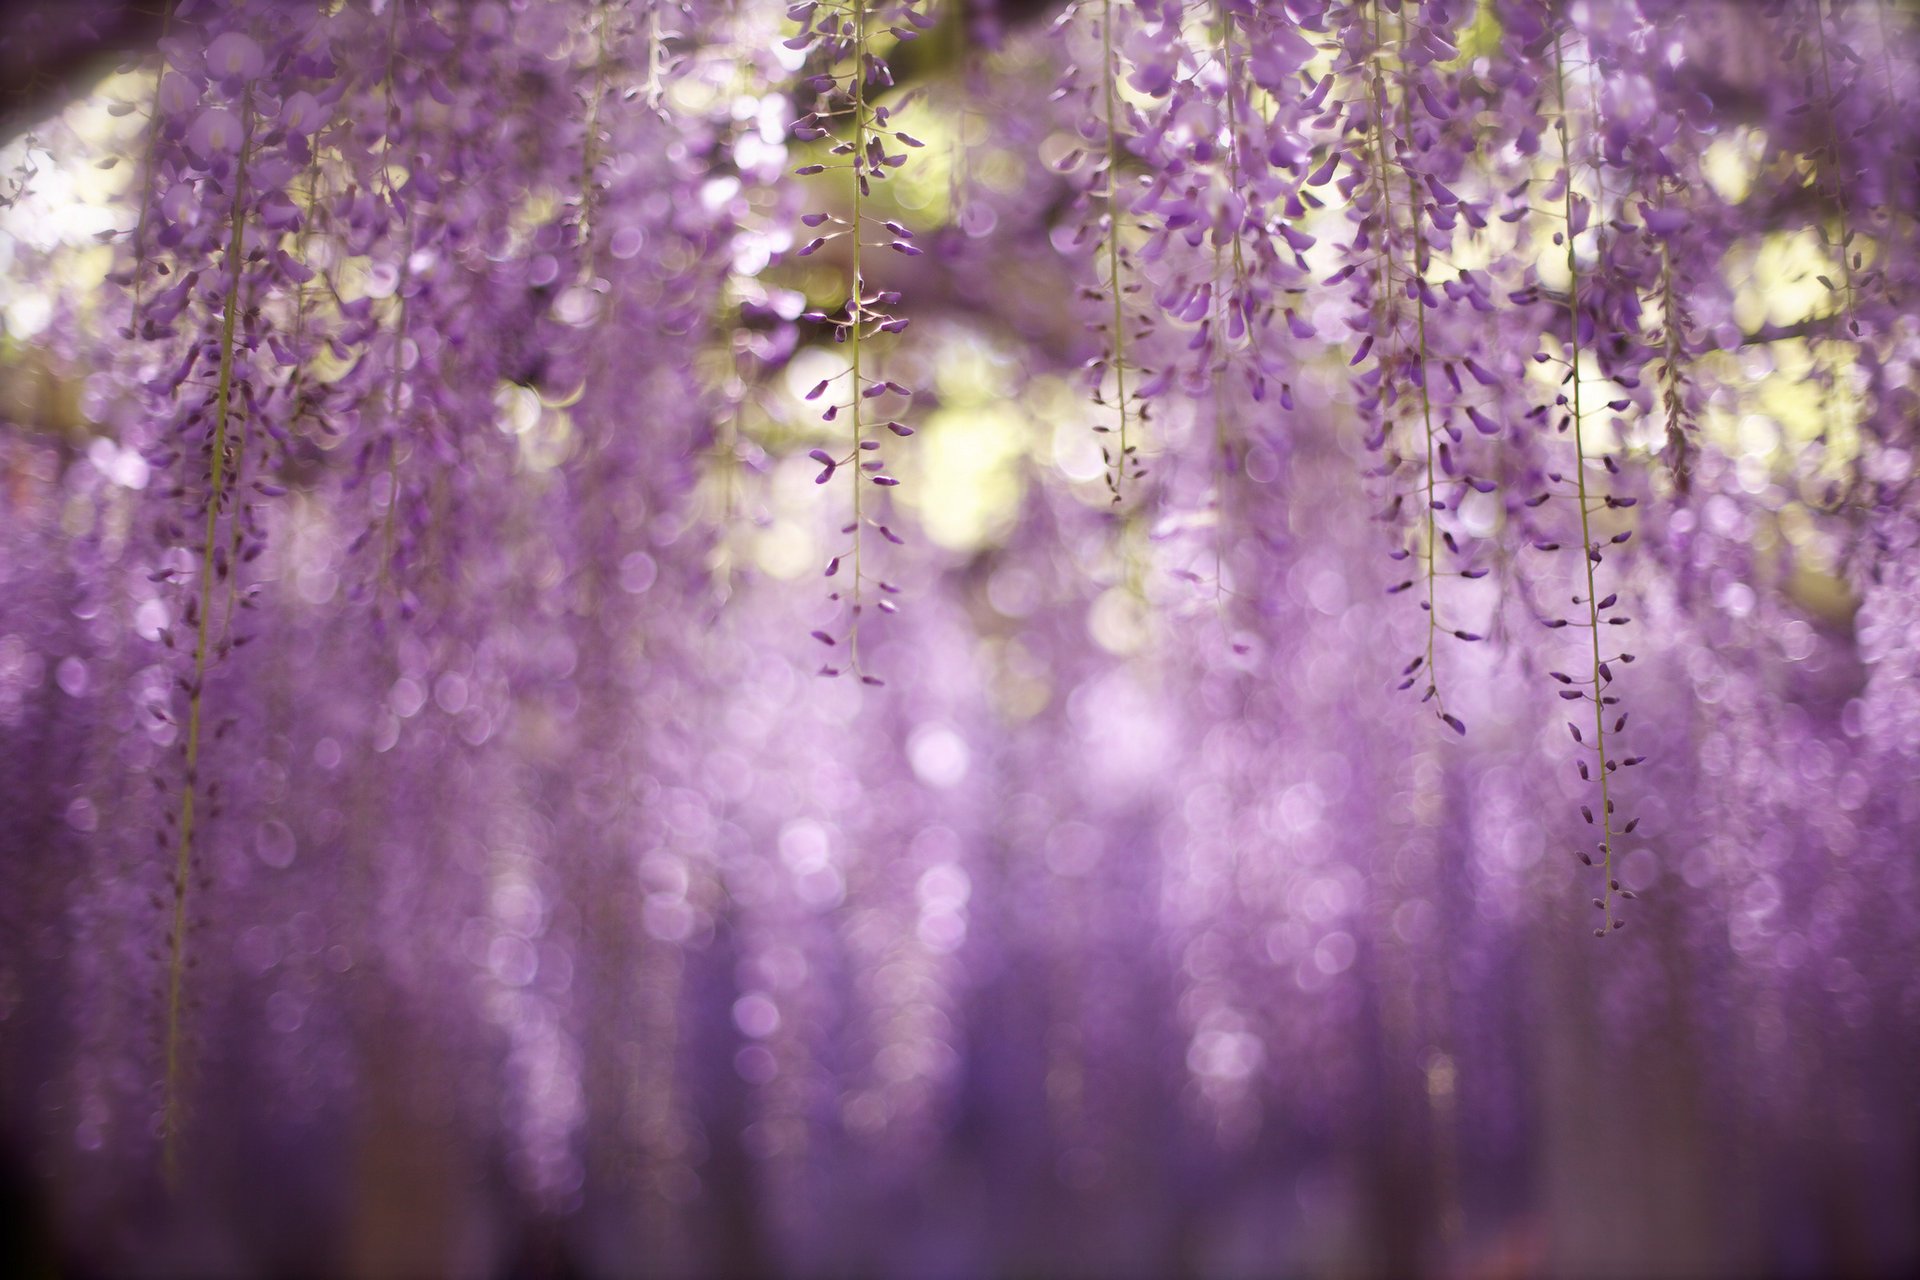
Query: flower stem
[854, 306]
[1580, 478]
[1113, 244]
[183, 858]
[146, 181]
[1426, 396]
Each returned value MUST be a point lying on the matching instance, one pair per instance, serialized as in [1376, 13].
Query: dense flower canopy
[958, 637]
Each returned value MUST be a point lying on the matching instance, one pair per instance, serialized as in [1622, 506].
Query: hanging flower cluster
[863, 137]
[420, 421]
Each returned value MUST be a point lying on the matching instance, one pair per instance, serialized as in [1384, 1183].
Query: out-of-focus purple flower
[301, 114]
[233, 57]
[216, 131]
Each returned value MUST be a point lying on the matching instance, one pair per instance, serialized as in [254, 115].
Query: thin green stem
[590, 145]
[1833, 161]
[146, 189]
[1426, 396]
[183, 857]
[1386, 324]
[1233, 132]
[855, 308]
[1119, 471]
[1829, 177]
[1221, 443]
[1677, 442]
[656, 59]
[1580, 475]
[388, 522]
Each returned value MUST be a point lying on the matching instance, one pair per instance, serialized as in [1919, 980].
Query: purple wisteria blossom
[1370, 550]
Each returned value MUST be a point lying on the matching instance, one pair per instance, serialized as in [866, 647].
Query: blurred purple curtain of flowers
[959, 638]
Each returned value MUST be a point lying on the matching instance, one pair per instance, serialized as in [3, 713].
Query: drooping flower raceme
[432, 845]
